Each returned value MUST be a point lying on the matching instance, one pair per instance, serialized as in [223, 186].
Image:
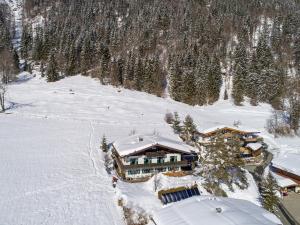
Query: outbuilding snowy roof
[220, 127]
[136, 143]
[289, 162]
[283, 182]
[254, 146]
[215, 211]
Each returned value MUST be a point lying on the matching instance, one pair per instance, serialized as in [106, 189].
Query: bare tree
[277, 125]
[3, 90]
[156, 181]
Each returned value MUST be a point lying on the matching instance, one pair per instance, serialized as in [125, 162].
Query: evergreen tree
[252, 81]
[38, 45]
[175, 83]
[214, 80]
[42, 69]
[104, 145]
[240, 74]
[263, 53]
[294, 110]
[189, 129]
[221, 163]
[296, 49]
[188, 95]
[176, 124]
[276, 36]
[87, 54]
[269, 189]
[52, 74]
[71, 62]
[26, 42]
[201, 78]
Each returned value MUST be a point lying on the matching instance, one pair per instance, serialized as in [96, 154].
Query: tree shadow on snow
[15, 105]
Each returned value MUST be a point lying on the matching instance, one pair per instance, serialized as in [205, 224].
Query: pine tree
[294, 110]
[87, 54]
[269, 189]
[189, 89]
[104, 145]
[214, 80]
[52, 74]
[221, 163]
[276, 36]
[176, 124]
[175, 83]
[240, 74]
[26, 42]
[38, 45]
[42, 69]
[296, 49]
[71, 62]
[263, 53]
[189, 129]
[252, 81]
[201, 78]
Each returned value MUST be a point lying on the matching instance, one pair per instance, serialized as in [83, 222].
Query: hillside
[51, 164]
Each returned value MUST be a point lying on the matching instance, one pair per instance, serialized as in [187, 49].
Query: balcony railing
[152, 165]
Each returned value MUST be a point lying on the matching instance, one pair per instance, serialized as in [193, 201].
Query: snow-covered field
[51, 169]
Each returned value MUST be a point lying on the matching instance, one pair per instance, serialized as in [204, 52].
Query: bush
[169, 118]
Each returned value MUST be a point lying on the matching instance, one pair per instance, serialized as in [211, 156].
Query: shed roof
[222, 127]
[205, 209]
[254, 146]
[289, 162]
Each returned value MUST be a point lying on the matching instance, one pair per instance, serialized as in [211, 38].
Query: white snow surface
[289, 162]
[138, 142]
[283, 181]
[234, 212]
[51, 168]
[222, 126]
[254, 146]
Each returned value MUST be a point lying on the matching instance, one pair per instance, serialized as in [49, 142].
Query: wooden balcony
[151, 165]
[254, 139]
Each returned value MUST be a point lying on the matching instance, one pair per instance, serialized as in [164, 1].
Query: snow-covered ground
[51, 169]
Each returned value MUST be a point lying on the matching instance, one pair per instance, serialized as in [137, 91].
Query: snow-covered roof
[204, 210]
[283, 181]
[254, 146]
[220, 127]
[136, 143]
[289, 162]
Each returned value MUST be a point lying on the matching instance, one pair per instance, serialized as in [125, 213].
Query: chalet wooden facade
[252, 144]
[287, 180]
[139, 157]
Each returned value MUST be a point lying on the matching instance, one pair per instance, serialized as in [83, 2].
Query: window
[173, 159]
[147, 160]
[133, 161]
[133, 172]
[147, 171]
[160, 160]
[161, 170]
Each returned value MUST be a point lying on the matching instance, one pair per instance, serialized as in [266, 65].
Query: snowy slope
[16, 7]
[50, 160]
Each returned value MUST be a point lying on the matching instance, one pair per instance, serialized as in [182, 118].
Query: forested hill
[186, 47]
